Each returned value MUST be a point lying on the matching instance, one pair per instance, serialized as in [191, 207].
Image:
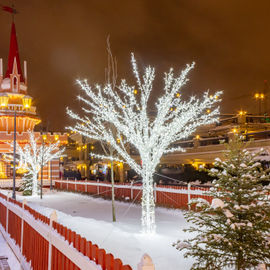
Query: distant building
[201, 149]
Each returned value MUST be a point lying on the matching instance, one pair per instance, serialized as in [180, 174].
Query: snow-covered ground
[7, 252]
[91, 218]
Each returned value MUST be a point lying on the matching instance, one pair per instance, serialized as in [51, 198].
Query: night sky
[63, 40]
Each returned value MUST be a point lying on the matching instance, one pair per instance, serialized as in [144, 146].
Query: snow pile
[7, 252]
[91, 217]
[217, 203]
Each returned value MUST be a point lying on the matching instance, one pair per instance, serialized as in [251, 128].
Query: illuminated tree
[126, 110]
[33, 156]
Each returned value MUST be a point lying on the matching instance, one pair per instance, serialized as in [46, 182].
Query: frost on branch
[126, 110]
[32, 157]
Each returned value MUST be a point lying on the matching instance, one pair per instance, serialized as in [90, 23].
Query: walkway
[5, 251]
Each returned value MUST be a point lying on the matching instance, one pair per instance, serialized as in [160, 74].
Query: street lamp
[26, 100]
[44, 138]
[259, 97]
[14, 158]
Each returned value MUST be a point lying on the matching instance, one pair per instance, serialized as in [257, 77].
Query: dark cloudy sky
[63, 40]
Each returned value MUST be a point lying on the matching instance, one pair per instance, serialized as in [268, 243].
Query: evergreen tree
[27, 184]
[232, 232]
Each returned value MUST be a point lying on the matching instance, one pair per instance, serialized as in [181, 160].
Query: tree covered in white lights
[126, 110]
[234, 231]
[33, 156]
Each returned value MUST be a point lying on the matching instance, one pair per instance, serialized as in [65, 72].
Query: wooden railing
[165, 195]
[42, 243]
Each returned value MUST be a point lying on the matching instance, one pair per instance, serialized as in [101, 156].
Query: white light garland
[106, 157]
[127, 111]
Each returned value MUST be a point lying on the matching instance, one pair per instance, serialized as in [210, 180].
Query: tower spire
[14, 55]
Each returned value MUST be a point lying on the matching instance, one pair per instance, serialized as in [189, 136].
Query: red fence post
[109, 262]
[101, 258]
[188, 190]
[53, 217]
[22, 228]
[117, 264]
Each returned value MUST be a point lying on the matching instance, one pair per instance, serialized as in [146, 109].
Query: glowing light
[4, 99]
[56, 137]
[197, 137]
[242, 113]
[27, 101]
[135, 91]
[259, 96]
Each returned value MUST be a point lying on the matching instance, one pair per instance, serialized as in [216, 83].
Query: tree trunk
[148, 205]
[35, 184]
[112, 180]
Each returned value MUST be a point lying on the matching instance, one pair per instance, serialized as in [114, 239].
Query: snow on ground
[91, 218]
[6, 251]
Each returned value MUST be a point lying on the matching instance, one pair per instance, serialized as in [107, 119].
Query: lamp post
[14, 158]
[41, 173]
[260, 97]
[51, 186]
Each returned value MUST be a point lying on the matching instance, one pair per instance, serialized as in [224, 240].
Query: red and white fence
[168, 196]
[8, 183]
[42, 243]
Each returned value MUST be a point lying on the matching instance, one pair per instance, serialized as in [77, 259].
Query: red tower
[13, 92]
[14, 97]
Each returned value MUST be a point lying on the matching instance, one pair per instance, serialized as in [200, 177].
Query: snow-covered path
[7, 252]
[91, 217]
